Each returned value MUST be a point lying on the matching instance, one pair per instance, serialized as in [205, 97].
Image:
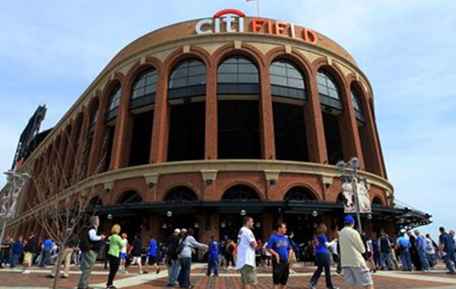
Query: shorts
[123, 256]
[153, 260]
[280, 273]
[136, 260]
[248, 275]
[28, 258]
[357, 276]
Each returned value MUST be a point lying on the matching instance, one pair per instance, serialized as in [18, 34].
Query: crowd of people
[355, 256]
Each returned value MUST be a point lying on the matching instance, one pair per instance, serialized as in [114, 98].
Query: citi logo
[227, 20]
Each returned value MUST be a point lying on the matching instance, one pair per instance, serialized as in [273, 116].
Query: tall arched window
[331, 105]
[299, 194]
[288, 90]
[181, 194]
[328, 90]
[356, 101]
[114, 102]
[143, 89]
[240, 193]
[286, 80]
[186, 91]
[237, 75]
[187, 79]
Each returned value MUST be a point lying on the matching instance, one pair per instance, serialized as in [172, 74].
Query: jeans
[212, 266]
[14, 260]
[186, 265]
[114, 263]
[386, 260]
[323, 261]
[87, 261]
[173, 271]
[423, 260]
[45, 258]
[450, 260]
[406, 260]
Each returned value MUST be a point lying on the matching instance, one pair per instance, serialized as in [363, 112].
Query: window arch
[181, 194]
[328, 90]
[287, 80]
[377, 202]
[237, 75]
[240, 193]
[299, 194]
[143, 88]
[187, 79]
[114, 102]
[357, 105]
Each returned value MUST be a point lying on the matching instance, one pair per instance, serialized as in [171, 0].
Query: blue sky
[50, 51]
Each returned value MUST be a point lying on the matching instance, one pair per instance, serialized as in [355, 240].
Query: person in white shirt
[246, 254]
[354, 267]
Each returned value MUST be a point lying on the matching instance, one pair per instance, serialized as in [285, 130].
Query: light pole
[9, 197]
[349, 170]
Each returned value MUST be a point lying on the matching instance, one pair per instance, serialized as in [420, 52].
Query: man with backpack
[90, 246]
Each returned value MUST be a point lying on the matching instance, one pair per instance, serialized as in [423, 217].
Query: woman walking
[322, 258]
[115, 245]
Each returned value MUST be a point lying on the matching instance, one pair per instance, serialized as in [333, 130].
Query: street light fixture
[349, 173]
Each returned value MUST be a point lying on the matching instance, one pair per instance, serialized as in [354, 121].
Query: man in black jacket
[171, 258]
[30, 251]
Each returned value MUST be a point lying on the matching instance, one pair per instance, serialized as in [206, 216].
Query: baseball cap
[349, 220]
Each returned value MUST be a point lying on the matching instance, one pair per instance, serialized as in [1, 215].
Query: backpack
[181, 246]
[85, 244]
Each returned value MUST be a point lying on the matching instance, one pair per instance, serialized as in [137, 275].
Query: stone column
[120, 133]
[160, 126]
[100, 128]
[211, 135]
[266, 115]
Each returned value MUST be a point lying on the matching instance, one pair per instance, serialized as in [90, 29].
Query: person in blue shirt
[447, 247]
[421, 247]
[16, 251]
[322, 258]
[153, 254]
[280, 248]
[213, 257]
[46, 248]
[403, 245]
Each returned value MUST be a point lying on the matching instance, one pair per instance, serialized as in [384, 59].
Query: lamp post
[9, 197]
[349, 171]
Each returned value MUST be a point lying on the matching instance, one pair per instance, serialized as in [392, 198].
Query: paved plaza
[229, 279]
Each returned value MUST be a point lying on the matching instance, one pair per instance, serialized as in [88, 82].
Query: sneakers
[26, 272]
[312, 286]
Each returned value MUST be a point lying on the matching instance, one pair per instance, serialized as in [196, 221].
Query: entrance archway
[232, 220]
[301, 223]
[180, 214]
[131, 223]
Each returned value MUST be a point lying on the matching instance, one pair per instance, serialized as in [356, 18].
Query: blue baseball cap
[349, 220]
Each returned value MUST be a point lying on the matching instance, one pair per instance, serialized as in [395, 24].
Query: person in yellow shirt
[354, 267]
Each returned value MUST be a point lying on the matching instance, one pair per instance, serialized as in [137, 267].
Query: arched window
[187, 79]
[328, 90]
[286, 80]
[130, 197]
[376, 202]
[299, 194]
[356, 100]
[114, 102]
[237, 75]
[181, 194]
[143, 89]
[240, 193]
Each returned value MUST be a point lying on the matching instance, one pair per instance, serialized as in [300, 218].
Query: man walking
[403, 245]
[90, 246]
[386, 258]
[354, 268]
[17, 248]
[46, 249]
[446, 246]
[153, 254]
[30, 251]
[65, 259]
[246, 254]
[171, 258]
[213, 257]
[421, 247]
[280, 248]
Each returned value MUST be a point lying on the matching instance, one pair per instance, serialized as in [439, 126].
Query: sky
[51, 50]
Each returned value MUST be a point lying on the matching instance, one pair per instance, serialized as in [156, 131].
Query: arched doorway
[301, 222]
[239, 198]
[179, 214]
[131, 221]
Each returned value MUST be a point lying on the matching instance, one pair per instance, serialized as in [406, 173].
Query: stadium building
[201, 122]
